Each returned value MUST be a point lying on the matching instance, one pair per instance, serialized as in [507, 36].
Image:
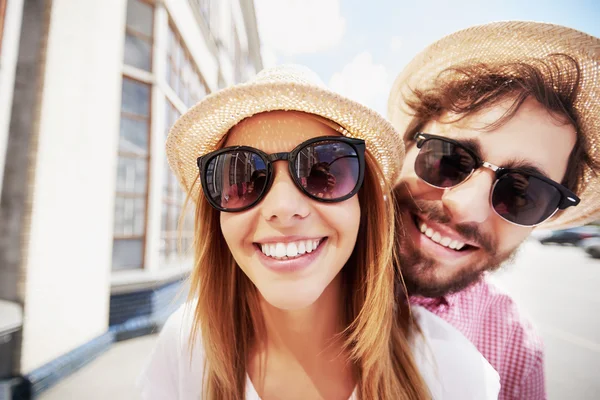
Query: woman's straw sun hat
[289, 87]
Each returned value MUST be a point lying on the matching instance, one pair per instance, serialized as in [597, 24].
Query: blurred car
[591, 246]
[571, 236]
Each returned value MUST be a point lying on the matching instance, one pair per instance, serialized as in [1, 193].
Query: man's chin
[431, 286]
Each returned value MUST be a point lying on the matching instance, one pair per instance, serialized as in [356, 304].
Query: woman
[292, 293]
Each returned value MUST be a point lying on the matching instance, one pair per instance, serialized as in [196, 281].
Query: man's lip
[443, 230]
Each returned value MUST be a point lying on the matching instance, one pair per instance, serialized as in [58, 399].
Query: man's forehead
[532, 138]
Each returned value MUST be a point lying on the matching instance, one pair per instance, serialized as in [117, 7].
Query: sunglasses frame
[358, 145]
[568, 198]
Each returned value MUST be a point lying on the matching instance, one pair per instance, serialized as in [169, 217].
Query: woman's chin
[290, 299]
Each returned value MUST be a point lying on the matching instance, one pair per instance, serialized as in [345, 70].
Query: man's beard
[418, 269]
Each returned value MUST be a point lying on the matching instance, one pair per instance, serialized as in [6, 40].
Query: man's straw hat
[515, 41]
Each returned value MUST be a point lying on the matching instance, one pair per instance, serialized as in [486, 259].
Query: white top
[450, 365]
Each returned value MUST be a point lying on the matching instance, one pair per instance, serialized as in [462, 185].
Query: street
[557, 286]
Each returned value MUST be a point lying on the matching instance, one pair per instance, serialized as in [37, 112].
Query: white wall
[70, 248]
[8, 64]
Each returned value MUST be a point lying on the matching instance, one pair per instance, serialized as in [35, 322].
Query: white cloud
[364, 81]
[396, 44]
[300, 26]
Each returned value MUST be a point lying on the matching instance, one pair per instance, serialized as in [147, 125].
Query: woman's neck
[304, 349]
[308, 330]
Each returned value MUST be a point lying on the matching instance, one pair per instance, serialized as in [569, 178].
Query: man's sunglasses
[328, 169]
[520, 197]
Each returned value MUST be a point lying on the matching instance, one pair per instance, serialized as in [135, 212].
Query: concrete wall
[8, 63]
[69, 251]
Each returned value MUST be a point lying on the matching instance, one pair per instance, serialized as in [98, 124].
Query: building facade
[92, 246]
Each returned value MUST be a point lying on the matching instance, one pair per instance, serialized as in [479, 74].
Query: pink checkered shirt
[491, 321]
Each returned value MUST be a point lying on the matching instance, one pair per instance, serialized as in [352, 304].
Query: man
[500, 123]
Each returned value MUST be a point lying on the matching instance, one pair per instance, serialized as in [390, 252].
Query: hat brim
[517, 41]
[202, 128]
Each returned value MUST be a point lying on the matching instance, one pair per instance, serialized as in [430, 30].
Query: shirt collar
[448, 300]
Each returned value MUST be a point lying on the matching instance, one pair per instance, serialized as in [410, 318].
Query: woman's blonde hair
[228, 315]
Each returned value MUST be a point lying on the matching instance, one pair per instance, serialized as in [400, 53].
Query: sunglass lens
[443, 164]
[328, 170]
[524, 200]
[236, 179]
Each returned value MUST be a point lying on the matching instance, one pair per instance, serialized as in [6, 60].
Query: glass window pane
[166, 180]
[127, 254]
[134, 136]
[173, 249]
[134, 216]
[139, 224]
[132, 175]
[165, 215]
[119, 222]
[174, 213]
[136, 97]
[162, 247]
[138, 52]
[168, 72]
[139, 17]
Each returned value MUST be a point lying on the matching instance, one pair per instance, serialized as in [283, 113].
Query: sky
[359, 47]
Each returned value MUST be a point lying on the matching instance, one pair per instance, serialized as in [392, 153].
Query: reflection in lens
[523, 199]
[443, 164]
[236, 179]
[327, 169]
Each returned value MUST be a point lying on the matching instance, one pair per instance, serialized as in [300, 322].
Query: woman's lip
[293, 264]
[286, 239]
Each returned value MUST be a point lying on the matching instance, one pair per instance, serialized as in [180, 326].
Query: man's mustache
[433, 210]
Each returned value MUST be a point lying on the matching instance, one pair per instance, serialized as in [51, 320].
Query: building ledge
[11, 317]
[133, 281]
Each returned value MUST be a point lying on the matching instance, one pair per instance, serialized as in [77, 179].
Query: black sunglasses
[520, 197]
[329, 169]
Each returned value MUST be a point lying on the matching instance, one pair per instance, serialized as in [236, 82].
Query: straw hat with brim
[292, 88]
[505, 42]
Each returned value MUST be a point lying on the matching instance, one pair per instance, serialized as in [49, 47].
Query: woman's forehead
[277, 131]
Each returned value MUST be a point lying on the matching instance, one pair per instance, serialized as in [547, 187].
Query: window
[2, 15]
[172, 207]
[131, 197]
[182, 75]
[138, 34]
[132, 176]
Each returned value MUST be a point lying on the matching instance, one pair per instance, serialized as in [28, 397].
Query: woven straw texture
[289, 87]
[503, 42]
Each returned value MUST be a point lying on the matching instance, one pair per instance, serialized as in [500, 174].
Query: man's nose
[469, 201]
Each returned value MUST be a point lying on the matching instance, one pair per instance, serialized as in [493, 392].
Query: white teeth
[289, 250]
[280, 250]
[265, 249]
[301, 248]
[439, 239]
[309, 246]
